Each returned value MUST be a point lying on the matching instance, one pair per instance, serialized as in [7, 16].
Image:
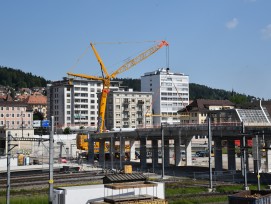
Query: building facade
[126, 109]
[73, 104]
[197, 111]
[16, 118]
[15, 115]
[170, 93]
[38, 103]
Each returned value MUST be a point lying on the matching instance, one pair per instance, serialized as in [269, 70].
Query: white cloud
[232, 23]
[267, 32]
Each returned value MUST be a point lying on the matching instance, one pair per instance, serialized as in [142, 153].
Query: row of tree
[16, 79]
[197, 91]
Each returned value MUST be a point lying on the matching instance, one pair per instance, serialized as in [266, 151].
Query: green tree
[67, 130]
[38, 115]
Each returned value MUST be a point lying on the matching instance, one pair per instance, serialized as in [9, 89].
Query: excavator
[82, 143]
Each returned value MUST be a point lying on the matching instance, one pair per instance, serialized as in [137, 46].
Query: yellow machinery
[82, 144]
[107, 77]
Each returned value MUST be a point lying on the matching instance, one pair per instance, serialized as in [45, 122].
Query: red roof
[36, 99]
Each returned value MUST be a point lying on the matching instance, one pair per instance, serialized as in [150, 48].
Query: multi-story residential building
[170, 93]
[38, 103]
[16, 118]
[126, 109]
[15, 114]
[75, 104]
[196, 112]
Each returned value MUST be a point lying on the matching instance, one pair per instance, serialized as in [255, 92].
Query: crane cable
[79, 58]
[135, 42]
[167, 57]
[157, 90]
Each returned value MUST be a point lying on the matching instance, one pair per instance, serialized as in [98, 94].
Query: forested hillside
[16, 78]
[197, 91]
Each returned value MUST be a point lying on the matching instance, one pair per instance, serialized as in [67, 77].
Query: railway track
[36, 180]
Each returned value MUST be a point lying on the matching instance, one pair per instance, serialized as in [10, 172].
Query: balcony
[126, 101]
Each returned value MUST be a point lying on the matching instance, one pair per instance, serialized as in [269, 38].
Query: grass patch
[199, 200]
[184, 190]
[39, 199]
[229, 188]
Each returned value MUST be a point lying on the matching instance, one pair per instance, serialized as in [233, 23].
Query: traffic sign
[45, 123]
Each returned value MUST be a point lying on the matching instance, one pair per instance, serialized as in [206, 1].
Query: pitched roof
[204, 104]
[36, 99]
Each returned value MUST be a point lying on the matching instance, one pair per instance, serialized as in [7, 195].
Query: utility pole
[8, 167]
[210, 158]
[163, 151]
[22, 124]
[51, 161]
[244, 158]
[257, 156]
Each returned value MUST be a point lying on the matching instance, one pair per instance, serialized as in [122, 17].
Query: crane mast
[106, 79]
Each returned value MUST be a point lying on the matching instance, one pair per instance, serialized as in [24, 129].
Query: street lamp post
[22, 124]
[162, 151]
[210, 151]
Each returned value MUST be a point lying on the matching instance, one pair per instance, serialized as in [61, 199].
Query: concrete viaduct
[182, 135]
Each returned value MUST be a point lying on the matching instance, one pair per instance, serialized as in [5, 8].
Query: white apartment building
[126, 109]
[170, 93]
[73, 104]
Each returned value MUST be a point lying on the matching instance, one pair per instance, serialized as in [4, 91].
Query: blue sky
[224, 44]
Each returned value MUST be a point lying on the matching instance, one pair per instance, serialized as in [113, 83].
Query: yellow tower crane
[107, 77]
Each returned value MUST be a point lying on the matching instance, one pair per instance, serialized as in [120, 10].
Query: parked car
[204, 153]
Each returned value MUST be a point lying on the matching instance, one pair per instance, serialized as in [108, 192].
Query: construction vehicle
[82, 144]
[107, 77]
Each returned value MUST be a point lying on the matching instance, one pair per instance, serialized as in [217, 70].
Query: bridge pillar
[218, 154]
[268, 155]
[177, 150]
[231, 155]
[132, 150]
[241, 156]
[112, 151]
[166, 152]
[91, 151]
[122, 151]
[188, 151]
[143, 152]
[256, 160]
[101, 153]
[155, 153]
